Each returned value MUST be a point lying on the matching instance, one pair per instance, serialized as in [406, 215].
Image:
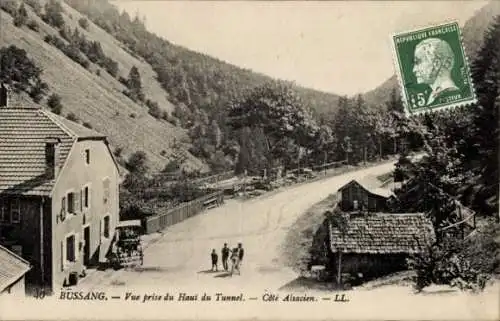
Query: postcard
[249, 160]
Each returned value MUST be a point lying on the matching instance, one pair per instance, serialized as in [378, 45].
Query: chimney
[52, 157]
[4, 96]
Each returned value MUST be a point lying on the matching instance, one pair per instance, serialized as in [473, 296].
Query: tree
[138, 163]
[17, 69]
[395, 103]
[218, 162]
[278, 111]
[134, 84]
[54, 103]
[485, 131]
[84, 23]
[53, 14]
[215, 134]
[21, 16]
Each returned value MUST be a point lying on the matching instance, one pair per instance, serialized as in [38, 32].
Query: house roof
[382, 233]
[12, 267]
[372, 184]
[23, 134]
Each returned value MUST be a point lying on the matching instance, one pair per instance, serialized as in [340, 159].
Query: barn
[376, 244]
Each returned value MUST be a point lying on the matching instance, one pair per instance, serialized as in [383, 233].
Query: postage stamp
[433, 69]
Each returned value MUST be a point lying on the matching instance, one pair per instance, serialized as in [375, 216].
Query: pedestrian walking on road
[215, 258]
[225, 256]
[235, 260]
[241, 252]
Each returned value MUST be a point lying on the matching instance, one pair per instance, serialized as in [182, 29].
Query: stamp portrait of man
[434, 60]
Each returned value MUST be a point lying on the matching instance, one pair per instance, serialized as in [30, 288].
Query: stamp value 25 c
[432, 68]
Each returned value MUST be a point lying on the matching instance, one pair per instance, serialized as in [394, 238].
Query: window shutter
[63, 208]
[81, 201]
[63, 255]
[77, 247]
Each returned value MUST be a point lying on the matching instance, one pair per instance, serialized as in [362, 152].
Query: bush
[88, 125]
[35, 5]
[53, 14]
[54, 103]
[33, 25]
[132, 115]
[465, 264]
[84, 23]
[172, 167]
[9, 6]
[111, 67]
[98, 72]
[38, 91]
[21, 16]
[72, 117]
[153, 109]
[118, 152]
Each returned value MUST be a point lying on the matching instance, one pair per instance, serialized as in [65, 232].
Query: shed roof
[23, 133]
[382, 233]
[12, 267]
[371, 184]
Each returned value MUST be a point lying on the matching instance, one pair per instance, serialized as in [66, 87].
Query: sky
[334, 46]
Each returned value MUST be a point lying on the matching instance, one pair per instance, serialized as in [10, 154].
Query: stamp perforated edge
[395, 59]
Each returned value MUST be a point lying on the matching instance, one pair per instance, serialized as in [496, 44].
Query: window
[105, 187]
[15, 210]
[71, 202]
[106, 226]
[87, 156]
[86, 196]
[4, 210]
[70, 248]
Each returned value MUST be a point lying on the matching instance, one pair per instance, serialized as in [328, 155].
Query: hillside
[187, 87]
[191, 78]
[98, 99]
[472, 33]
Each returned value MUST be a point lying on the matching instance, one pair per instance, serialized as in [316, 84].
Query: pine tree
[134, 84]
[486, 76]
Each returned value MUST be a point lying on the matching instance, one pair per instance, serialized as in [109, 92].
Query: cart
[127, 250]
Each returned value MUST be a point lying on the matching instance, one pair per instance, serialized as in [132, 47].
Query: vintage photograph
[264, 160]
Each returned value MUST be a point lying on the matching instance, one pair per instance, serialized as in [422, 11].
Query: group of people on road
[236, 255]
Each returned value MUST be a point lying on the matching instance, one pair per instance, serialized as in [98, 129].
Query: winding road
[177, 264]
[180, 258]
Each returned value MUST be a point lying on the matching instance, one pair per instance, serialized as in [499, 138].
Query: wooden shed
[366, 194]
[376, 244]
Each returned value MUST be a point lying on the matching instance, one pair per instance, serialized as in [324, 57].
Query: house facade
[13, 269]
[58, 194]
[366, 194]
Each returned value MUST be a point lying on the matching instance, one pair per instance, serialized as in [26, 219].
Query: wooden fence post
[339, 268]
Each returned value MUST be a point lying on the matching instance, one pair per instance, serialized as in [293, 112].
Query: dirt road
[177, 264]
[181, 257]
